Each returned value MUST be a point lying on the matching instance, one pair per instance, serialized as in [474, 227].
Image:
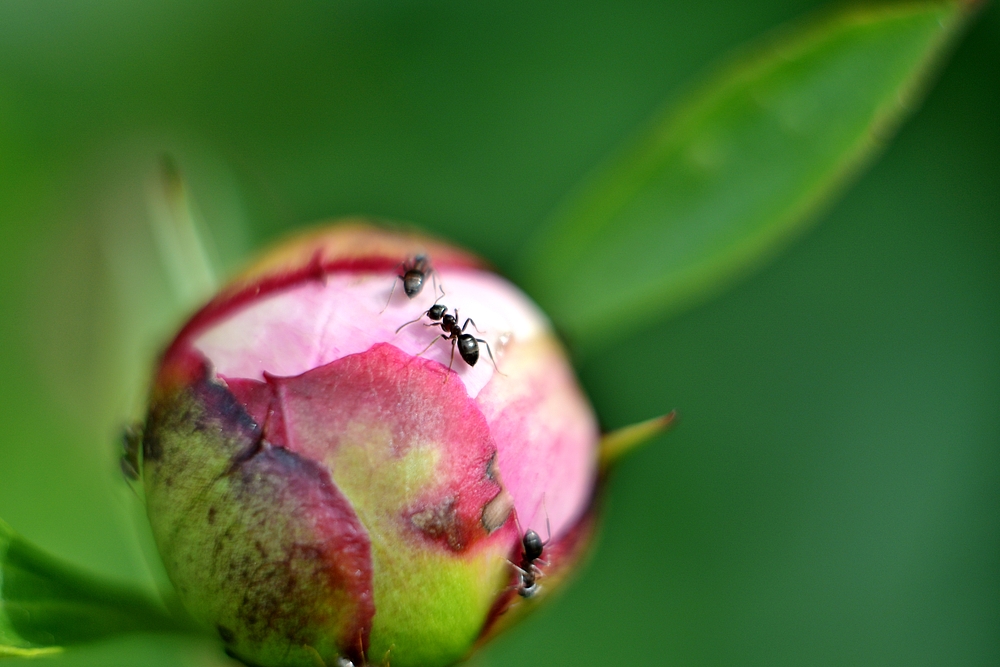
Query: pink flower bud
[325, 486]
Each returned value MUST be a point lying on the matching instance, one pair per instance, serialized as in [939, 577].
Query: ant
[468, 345]
[414, 274]
[528, 572]
[131, 440]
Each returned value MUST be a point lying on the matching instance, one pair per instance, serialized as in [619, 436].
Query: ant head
[420, 263]
[413, 282]
[532, 544]
[437, 311]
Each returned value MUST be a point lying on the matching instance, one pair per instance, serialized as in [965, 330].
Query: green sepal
[618, 443]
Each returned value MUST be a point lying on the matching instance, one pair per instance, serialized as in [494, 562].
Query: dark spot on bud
[441, 522]
[492, 471]
[497, 510]
[211, 515]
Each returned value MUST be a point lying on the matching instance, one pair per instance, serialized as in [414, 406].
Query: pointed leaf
[730, 173]
[618, 443]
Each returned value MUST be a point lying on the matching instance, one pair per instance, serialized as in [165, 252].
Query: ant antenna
[548, 526]
[420, 317]
[517, 523]
[393, 290]
[436, 339]
[403, 326]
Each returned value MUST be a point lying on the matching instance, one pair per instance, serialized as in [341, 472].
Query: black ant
[528, 572]
[414, 274]
[468, 345]
[131, 447]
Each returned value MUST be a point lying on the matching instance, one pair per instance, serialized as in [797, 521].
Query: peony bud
[326, 487]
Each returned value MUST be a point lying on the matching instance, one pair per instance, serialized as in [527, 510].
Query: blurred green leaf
[732, 171]
[46, 605]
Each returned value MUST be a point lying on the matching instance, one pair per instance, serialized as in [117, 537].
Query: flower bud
[332, 476]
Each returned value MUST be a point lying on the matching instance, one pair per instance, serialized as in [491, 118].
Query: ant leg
[515, 566]
[490, 352]
[450, 361]
[548, 526]
[391, 292]
[454, 342]
[429, 344]
[402, 326]
[361, 649]
[470, 320]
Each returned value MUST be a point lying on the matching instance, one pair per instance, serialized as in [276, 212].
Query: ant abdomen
[468, 347]
[532, 545]
[413, 282]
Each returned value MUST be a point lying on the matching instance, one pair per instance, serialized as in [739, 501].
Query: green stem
[46, 604]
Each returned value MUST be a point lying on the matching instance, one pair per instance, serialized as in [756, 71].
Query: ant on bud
[131, 441]
[414, 275]
[467, 344]
[528, 572]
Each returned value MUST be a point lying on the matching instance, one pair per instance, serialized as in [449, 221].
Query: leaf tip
[616, 444]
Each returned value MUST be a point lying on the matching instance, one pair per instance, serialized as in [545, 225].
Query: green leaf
[725, 177]
[46, 605]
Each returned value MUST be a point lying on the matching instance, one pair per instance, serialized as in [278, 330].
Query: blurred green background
[832, 493]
